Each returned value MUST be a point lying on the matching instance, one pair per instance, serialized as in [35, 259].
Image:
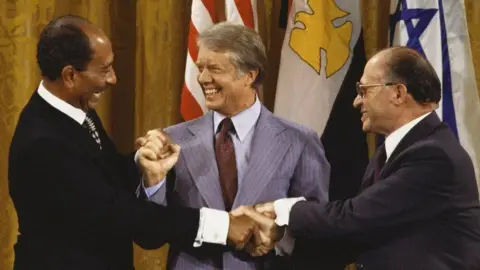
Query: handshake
[253, 229]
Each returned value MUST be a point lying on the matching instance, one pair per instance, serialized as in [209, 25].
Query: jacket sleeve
[417, 190]
[312, 173]
[76, 189]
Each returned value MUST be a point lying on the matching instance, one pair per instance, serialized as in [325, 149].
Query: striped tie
[88, 124]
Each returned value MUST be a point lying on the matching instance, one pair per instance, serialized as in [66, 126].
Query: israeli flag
[438, 30]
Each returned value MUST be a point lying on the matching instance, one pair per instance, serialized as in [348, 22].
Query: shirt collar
[75, 113]
[243, 122]
[395, 137]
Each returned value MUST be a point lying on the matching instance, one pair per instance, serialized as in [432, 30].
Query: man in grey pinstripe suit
[274, 158]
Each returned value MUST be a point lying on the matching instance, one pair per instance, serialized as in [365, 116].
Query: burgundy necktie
[381, 157]
[227, 165]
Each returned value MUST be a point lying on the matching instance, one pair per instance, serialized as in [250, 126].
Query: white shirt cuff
[135, 158]
[213, 227]
[282, 209]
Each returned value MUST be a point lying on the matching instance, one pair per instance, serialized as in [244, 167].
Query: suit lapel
[418, 132]
[199, 156]
[267, 151]
[72, 129]
[421, 130]
[369, 175]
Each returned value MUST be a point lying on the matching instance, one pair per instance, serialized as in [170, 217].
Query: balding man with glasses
[418, 207]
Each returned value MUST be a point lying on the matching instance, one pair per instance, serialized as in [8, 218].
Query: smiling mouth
[211, 92]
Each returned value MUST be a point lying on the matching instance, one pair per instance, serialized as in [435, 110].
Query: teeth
[210, 91]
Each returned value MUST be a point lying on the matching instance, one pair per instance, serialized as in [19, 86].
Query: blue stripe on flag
[447, 94]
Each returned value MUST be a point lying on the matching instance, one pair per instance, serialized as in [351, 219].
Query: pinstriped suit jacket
[286, 160]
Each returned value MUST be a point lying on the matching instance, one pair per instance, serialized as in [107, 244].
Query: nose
[357, 102]
[111, 77]
[204, 77]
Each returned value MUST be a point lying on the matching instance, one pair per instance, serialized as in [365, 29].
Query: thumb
[170, 161]
[147, 154]
[257, 217]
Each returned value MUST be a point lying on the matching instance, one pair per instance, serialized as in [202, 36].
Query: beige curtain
[149, 38]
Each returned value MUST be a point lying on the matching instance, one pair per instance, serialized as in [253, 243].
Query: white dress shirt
[75, 113]
[214, 223]
[283, 206]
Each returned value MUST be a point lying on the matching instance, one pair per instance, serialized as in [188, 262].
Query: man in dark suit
[259, 158]
[419, 206]
[73, 192]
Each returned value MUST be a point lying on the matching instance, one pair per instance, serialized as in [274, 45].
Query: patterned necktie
[227, 165]
[380, 162]
[88, 124]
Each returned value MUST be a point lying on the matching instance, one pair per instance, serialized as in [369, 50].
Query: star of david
[403, 13]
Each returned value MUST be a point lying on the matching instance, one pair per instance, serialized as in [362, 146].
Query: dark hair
[409, 67]
[62, 42]
[243, 44]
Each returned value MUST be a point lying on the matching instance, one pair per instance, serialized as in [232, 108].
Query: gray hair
[244, 46]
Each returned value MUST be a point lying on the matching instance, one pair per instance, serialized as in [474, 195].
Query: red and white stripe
[242, 12]
[192, 99]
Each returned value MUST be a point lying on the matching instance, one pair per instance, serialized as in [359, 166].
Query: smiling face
[226, 89]
[89, 84]
[377, 105]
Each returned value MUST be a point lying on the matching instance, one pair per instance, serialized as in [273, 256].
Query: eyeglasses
[362, 88]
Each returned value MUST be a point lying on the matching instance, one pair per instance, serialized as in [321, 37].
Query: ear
[401, 94]
[68, 76]
[251, 76]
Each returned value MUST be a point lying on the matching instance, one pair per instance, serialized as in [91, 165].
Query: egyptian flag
[322, 59]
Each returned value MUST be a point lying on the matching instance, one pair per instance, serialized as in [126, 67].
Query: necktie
[90, 126]
[381, 157]
[227, 166]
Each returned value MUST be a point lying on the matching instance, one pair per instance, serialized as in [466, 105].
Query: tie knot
[226, 125]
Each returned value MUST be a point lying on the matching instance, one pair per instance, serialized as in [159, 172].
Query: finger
[262, 250]
[158, 143]
[171, 160]
[237, 211]
[247, 238]
[269, 215]
[175, 148]
[171, 150]
[141, 141]
[158, 133]
[153, 147]
[264, 207]
[257, 237]
[165, 155]
[147, 154]
[257, 217]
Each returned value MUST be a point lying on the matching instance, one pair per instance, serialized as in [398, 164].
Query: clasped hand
[253, 229]
[157, 154]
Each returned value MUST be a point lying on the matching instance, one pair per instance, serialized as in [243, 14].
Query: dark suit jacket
[75, 203]
[422, 214]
